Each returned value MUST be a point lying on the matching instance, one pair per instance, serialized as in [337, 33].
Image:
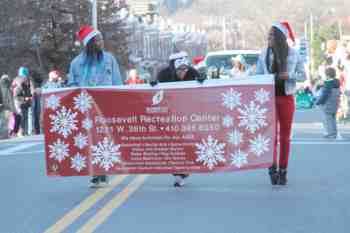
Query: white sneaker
[179, 181]
[339, 137]
[94, 185]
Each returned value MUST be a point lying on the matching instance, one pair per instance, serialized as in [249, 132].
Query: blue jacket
[296, 69]
[108, 70]
[329, 97]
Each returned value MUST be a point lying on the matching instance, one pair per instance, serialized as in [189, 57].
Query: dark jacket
[168, 74]
[329, 97]
[21, 93]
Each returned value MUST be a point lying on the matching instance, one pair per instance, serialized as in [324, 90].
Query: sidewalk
[308, 124]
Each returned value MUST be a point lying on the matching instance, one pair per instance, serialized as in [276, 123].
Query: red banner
[183, 127]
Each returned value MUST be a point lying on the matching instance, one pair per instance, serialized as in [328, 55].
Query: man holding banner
[93, 67]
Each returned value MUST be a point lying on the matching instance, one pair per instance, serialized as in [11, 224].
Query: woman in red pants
[285, 64]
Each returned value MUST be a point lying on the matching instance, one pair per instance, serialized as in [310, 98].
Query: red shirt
[134, 81]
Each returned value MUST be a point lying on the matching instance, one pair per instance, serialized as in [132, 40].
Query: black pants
[17, 124]
[24, 119]
[36, 111]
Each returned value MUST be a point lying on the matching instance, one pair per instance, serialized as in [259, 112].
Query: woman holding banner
[179, 69]
[284, 63]
[94, 67]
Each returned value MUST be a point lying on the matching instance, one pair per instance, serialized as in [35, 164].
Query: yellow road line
[107, 210]
[75, 213]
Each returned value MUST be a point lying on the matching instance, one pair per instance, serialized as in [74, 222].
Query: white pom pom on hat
[180, 59]
[178, 55]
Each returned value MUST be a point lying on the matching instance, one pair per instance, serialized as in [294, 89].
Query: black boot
[283, 176]
[103, 179]
[94, 182]
[274, 177]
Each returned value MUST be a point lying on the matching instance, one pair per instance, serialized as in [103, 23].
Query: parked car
[221, 61]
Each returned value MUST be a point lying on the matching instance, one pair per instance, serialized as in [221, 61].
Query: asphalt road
[316, 200]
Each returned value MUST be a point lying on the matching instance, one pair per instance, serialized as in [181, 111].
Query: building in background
[142, 7]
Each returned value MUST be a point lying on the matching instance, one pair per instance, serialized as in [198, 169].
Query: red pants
[285, 108]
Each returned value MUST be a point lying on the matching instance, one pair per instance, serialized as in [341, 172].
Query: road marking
[31, 152]
[17, 148]
[318, 141]
[23, 139]
[85, 205]
[108, 209]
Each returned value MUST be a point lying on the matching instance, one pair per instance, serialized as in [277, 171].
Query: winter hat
[286, 29]
[179, 59]
[23, 72]
[54, 74]
[86, 33]
[239, 58]
[4, 76]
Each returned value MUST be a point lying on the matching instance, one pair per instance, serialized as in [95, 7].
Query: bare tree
[257, 16]
[41, 33]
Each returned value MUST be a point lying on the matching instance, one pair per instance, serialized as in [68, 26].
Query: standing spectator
[346, 93]
[284, 63]
[35, 85]
[7, 105]
[22, 98]
[329, 101]
[94, 67]
[6, 94]
[179, 69]
[134, 78]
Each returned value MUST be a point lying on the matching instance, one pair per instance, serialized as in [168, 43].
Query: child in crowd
[329, 102]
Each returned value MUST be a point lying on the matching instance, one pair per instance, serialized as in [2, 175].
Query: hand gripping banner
[182, 127]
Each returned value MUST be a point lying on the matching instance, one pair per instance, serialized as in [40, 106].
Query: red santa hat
[286, 29]
[86, 33]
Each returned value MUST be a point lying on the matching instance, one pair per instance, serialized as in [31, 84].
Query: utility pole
[312, 60]
[94, 13]
[340, 29]
[224, 33]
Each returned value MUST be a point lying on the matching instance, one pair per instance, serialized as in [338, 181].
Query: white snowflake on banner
[80, 141]
[63, 122]
[78, 162]
[83, 102]
[259, 145]
[235, 137]
[227, 121]
[210, 152]
[231, 99]
[239, 158]
[53, 102]
[87, 124]
[106, 154]
[59, 150]
[262, 96]
[252, 117]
